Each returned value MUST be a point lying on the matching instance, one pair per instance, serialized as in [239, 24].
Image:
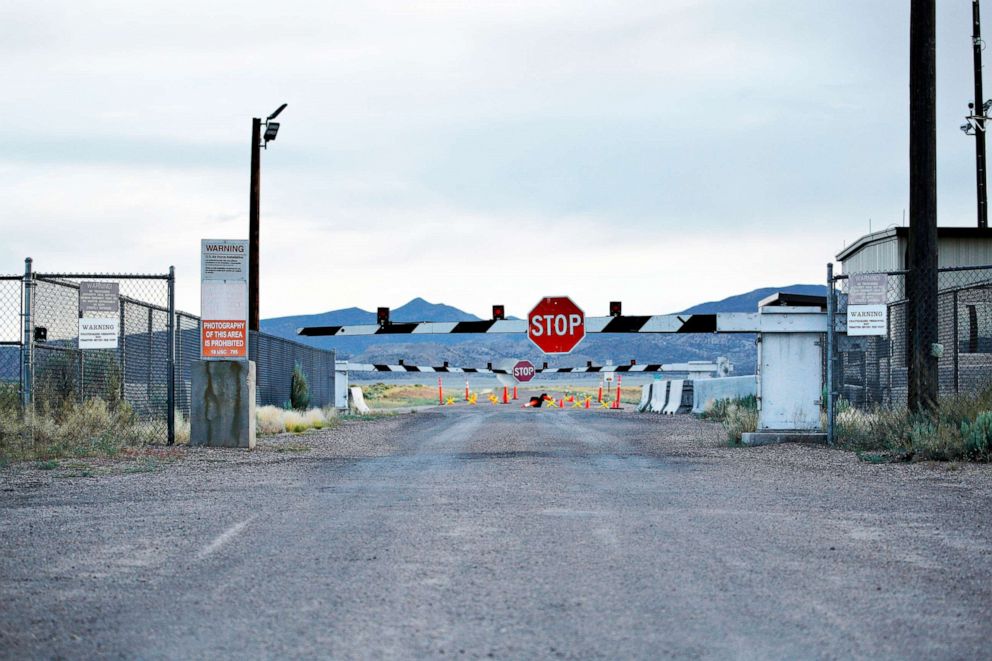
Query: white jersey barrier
[356, 400]
[674, 397]
[707, 391]
[645, 402]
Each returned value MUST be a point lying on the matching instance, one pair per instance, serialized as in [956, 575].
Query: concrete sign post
[524, 371]
[556, 324]
[867, 311]
[224, 299]
[99, 315]
[222, 398]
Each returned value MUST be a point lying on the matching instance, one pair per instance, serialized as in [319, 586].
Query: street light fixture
[258, 142]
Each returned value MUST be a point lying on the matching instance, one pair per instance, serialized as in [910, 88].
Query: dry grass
[274, 420]
[93, 428]
[739, 416]
[385, 396]
[960, 430]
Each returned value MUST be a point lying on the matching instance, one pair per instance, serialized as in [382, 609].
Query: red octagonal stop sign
[523, 371]
[556, 324]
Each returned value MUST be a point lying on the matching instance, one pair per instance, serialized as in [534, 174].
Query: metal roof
[903, 232]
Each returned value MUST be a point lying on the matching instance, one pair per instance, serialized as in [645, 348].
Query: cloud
[471, 153]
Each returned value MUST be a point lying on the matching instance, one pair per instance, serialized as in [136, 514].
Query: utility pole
[256, 139]
[978, 111]
[921, 279]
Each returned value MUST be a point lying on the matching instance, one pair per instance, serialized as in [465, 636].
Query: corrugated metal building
[886, 250]
[877, 372]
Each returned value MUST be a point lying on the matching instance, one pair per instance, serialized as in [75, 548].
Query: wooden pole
[253, 224]
[921, 281]
[979, 111]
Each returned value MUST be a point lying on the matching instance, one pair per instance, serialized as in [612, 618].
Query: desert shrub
[299, 389]
[375, 391]
[93, 427]
[740, 417]
[182, 428]
[269, 420]
[977, 436]
[717, 409]
[961, 429]
[274, 420]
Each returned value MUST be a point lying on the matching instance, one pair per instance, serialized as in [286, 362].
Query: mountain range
[476, 351]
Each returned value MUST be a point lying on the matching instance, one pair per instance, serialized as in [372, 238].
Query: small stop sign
[556, 324]
[523, 371]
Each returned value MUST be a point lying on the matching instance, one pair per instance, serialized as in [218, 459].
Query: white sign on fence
[867, 309]
[867, 319]
[224, 298]
[98, 333]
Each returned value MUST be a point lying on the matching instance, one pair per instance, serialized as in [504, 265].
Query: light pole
[259, 141]
[978, 111]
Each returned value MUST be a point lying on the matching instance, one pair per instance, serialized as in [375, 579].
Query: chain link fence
[275, 358]
[870, 371]
[136, 385]
[11, 332]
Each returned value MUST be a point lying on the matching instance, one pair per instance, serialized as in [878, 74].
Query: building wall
[877, 257]
[964, 252]
[889, 255]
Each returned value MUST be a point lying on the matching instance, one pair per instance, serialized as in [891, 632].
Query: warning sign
[224, 338]
[98, 333]
[224, 299]
[867, 312]
[99, 297]
[867, 319]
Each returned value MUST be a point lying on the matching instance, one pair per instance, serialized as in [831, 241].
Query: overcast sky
[662, 153]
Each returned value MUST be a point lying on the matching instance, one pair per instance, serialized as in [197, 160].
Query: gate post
[831, 312]
[27, 344]
[170, 397]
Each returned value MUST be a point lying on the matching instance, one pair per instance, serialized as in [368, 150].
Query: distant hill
[749, 302]
[467, 351]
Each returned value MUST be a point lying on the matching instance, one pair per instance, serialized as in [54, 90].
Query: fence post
[122, 342]
[27, 345]
[956, 343]
[170, 397]
[830, 352]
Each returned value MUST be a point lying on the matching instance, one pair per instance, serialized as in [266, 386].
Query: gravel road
[488, 532]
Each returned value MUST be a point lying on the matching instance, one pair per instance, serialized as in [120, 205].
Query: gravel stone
[497, 532]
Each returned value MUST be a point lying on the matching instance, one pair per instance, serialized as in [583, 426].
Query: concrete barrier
[356, 400]
[731, 387]
[659, 396]
[645, 403]
[674, 397]
[222, 403]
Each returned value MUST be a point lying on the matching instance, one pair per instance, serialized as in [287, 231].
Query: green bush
[961, 429]
[978, 436]
[375, 391]
[299, 394]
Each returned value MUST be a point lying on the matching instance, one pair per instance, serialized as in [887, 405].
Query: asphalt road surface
[498, 533]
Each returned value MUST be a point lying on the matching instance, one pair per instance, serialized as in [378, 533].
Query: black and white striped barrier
[731, 322]
[693, 367]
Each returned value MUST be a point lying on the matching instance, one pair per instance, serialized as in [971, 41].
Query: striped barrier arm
[664, 323]
[730, 322]
[673, 367]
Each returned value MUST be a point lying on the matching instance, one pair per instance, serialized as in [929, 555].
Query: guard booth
[790, 364]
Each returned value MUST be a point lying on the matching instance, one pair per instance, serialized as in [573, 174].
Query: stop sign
[523, 371]
[556, 324]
